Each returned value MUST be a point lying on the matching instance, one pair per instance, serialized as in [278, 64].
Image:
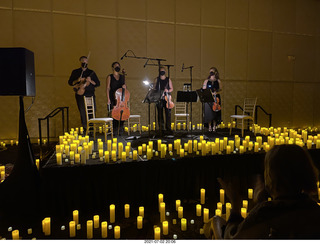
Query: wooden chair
[133, 119]
[249, 108]
[92, 121]
[180, 114]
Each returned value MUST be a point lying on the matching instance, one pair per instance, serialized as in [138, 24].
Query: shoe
[210, 129]
[214, 129]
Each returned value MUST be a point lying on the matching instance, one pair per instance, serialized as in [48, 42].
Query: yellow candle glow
[72, 229]
[202, 196]
[104, 229]
[75, 215]
[134, 155]
[181, 153]
[59, 158]
[96, 221]
[165, 228]
[38, 163]
[183, 224]
[124, 156]
[126, 211]
[160, 199]
[117, 232]
[100, 153]
[245, 203]
[219, 205]
[178, 203]
[157, 233]
[218, 212]
[77, 158]
[205, 215]
[198, 210]
[15, 235]
[112, 213]
[139, 222]
[140, 150]
[228, 209]
[162, 212]
[222, 196]
[228, 149]
[170, 147]
[241, 149]
[47, 226]
[180, 212]
[106, 157]
[141, 211]
[114, 155]
[100, 145]
[244, 212]
[250, 193]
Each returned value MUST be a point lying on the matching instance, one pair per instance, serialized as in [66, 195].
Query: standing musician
[114, 82]
[84, 81]
[212, 111]
[164, 84]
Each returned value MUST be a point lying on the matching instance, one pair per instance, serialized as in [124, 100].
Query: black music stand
[205, 96]
[187, 96]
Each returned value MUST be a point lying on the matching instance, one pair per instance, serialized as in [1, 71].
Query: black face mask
[162, 72]
[212, 73]
[117, 69]
[83, 65]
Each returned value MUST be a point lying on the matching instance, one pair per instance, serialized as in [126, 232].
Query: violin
[167, 98]
[80, 86]
[216, 106]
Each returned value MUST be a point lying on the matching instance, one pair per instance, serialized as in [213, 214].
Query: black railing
[50, 115]
[255, 113]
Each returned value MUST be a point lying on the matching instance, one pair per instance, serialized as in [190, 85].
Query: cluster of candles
[12, 142]
[2, 173]
[183, 126]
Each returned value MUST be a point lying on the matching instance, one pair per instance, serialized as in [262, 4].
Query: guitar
[80, 86]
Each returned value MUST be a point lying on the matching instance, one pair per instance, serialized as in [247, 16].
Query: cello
[121, 111]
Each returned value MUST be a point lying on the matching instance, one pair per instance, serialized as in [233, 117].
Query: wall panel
[35, 4]
[237, 13]
[284, 14]
[188, 11]
[71, 6]
[306, 17]
[132, 9]
[260, 14]
[6, 25]
[302, 114]
[213, 12]
[6, 3]
[165, 11]
[101, 7]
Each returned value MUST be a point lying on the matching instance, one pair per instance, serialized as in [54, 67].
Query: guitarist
[84, 81]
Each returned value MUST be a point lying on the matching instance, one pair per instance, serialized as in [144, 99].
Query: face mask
[83, 65]
[212, 73]
[162, 72]
[117, 69]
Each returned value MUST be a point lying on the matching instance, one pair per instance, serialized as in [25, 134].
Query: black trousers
[82, 109]
[160, 107]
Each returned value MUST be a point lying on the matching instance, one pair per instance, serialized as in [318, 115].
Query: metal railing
[47, 118]
[255, 113]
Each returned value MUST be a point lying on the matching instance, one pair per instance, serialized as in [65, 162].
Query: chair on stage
[180, 114]
[249, 108]
[92, 121]
[133, 119]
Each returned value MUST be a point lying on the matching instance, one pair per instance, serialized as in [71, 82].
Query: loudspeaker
[17, 76]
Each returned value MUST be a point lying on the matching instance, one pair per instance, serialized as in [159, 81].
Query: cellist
[115, 81]
[164, 84]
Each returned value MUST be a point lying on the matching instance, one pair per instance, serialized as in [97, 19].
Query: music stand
[187, 96]
[205, 96]
[152, 97]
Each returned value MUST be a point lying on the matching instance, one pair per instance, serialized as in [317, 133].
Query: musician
[164, 84]
[114, 82]
[213, 83]
[89, 80]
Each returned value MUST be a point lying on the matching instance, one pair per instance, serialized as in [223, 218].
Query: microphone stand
[190, 67]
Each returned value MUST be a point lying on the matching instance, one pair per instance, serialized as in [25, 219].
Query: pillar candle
[180, 212]
[75, 215]
[256, 147]
[241, 149]
[221, 142]
[213, 148]
[318, 144]
[109, 147]
[309, 144]
[100, 145]
[160, 199]
[134, 155]
[205, 215]
[244, 212]
[127, 149]
[219, 205]
[141, 211]
[202, 195]
[114, 155]
[100, 153]
[96, 221]
[139, 222]
[222, 196]
[228, 209]
[198, 209]
[159, 145]
[124, 156]
[218, 212]
[195, 144]
[189, 146]
[228, 149]
[144, 147]
[72, 229]
[116, 232]
[181, 153]
[47, 226]
[204, 148]
[83, 157]
[170, 147]
[126, 211]
[140, 150]
[15, 235]
[162, 212]
[157, 233]
[231, 143]
[178, 203]
[112, 213]
[165, 228]
[59, 159]
[183, 224]
[67, 150]
[245, 203]
[163, 151]
[38, 163]
[106, 157]
[104, 229]
[250, 193]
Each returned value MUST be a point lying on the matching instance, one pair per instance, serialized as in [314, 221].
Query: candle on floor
[140, 150]
[157, 233]
[256, 147]
[100, 153]
[114, 155]
[202, 196]
[38, 163]
[245, 203]
[228, 149]
[134, 155]
[244, 212]
[72, 229]
[231, 143]
[250, 193]
[180, 212]
[127, 149]
[181, 153]
[75, 215]
[219, 205]
[205, 215]
[198, 210]
[241, 149]
[96, 221]
[124, 156]
[165, 228]
[218, 212]
[106, 157]
[178, 203]
[139, 222]
[117, 232]
[183, 224]
[59, 158]
[15, 235]
[162, 211]
[104, 229]
[228, 209]
[126, 211]
[222, 196]
[112, 213]
[160, 199]
[163, 151]
[141, 211]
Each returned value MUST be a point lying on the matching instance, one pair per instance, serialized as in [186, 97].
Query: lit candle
[124, 156]
[221, 142]
[202, 195]
[159, 145]
[195, 145]
[144, 147]
[181, 152]
[75, 215]
[106, 157]
[162, 211]
[15, 235]
[126, 211]
[198, 209]
[219, 205]
[96, 221]
[157, 233]
[165, 228]
[117, 232]
[183, 224]
[163, 151]
[309, 144]
[141, 211]
[178, 203]
[72, 229]
[170, 147]
[38, 163]
[100, 145]
[228, 209]
[47, 226]
[241, 149]
[180, 212]
[139, 222]
[67, 150]
[205, 215]
[59, 159]
[112, 213]
[245, 203]
[127, 149]
[140, 150]
[218, 212]
[244, 212]
[231, 143]
[160, 200]
[104, 229]
[114, 155]
[109, 143]
[134, 155]
[256, 147]
[222, 196]
[100, 153]
[189, 146]
[250, 193]
[228, 149]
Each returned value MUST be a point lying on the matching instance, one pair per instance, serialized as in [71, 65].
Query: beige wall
[249, 41]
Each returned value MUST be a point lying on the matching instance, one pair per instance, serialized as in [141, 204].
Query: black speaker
[17, 76]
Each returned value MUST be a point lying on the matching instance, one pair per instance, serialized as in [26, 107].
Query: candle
[219, 205]
[243, 212]
[256, 147]
[222, 196]
[228, 149]
[241, 149]
[127, 149]
[165, 228]
[195, 145]
[189, 146]
[15, 235]
[72, 229]
[106, 157]
[47, 226]
[100, 145]
[218, 212]
[100, 153]
[134, 155]
[67, 150]
[202, 195]
[221, 142]
[250, 193]
[231, 143]
[180, 212]
[183, 224]
[59, 159]
[114, 155]
[112, 213]
[104, 229]
[96, 221]
[120, 149]
[139, 222]
[75, 215]
[126, 211]
[162, 211]
[178, 203]
[181, 153]
[38, 163]
[141, 211]
[205, 215]
[198, 209]
[309, 144]
[170, 147]
[160, 200]
[29, 231]
[83, 157]
[117, 232]
[228, 209]
[318, 144]
[163, 151]
[157, 233]
[245, 203]
[124, 156]
[140, 150]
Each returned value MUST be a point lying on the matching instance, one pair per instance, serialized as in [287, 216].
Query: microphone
[124, 55]
[182, 67]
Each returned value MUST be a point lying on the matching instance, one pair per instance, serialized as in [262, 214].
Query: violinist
[88, 81]
[164, 84]
[212, 111]
[115, 81]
